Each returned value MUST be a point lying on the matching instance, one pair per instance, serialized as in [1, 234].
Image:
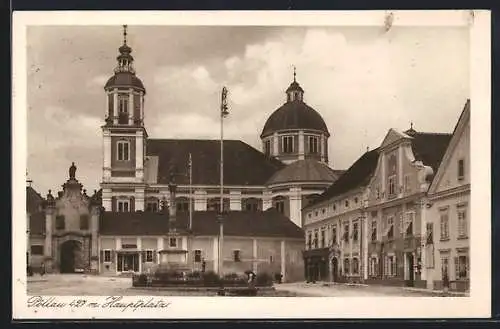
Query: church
[164, 200]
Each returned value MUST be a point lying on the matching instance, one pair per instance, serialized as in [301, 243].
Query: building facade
[448, 219]
[387, 237]
[150, 187]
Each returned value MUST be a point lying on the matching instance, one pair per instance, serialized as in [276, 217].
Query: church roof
[357, 175]
[33, 200]
[125, 80]
[269, 223]
[307, 170]
[243, 164]
[294, 115]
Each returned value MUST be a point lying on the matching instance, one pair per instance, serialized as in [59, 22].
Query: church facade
[160, 199]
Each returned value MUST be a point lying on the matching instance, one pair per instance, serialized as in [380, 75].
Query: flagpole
[190, 192]
[223, 113]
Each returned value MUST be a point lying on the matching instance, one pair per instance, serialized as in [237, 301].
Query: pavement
[92, 285]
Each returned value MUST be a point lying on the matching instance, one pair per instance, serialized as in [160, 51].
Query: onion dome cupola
[125, 91]
[295, 131]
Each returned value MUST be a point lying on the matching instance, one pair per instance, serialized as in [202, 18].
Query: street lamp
[223, 113]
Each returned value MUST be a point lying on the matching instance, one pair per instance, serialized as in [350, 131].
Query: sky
[362, 80]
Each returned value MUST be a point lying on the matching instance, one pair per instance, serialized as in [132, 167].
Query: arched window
[182, 204]
[251, 204]
[279, 203]
[213, 204]
[355, 266]
[123, 150]
[347, 270]
[152, 204]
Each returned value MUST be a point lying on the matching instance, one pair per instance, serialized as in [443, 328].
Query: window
[60, 222]
[236, 255]
[172, 242]
[461, 267]
[107, 256]
[309, 241]
[374, 230]
[287, 144]
[390, 227]
[252, 207]
[323, 211]
[152, 206]
[462, 222]
[430, 234]
[445, 233]
[390, 265]
[356, 200]
[313, 144]
[347, 270]
[445, 266]
[334, 207]
[355, 266]
[334, 235]
[182, 205]
[123, 149]
[407, 183]
[316, 240]
[372, 270]
[410, 218]
[346, 233]
[347, 203]
[149, 256]
[271, 259]
[461, 169]
[84, 222]
[267, 147]
[123, 104]
[392, 185]
[280, 206]
[323, 237]
[123, 205]
[37, 250]
[355, 231]
[197, 256]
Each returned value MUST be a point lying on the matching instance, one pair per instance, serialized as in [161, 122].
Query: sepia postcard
[204, 165]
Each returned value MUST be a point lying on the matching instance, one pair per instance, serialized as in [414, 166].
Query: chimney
[172, 209]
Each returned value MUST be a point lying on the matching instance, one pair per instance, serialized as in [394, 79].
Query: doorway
[410, 269]
[70, 250]
[335, 269]
[128, 262]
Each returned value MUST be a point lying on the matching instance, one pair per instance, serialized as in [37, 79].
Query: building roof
[429, 147]
[307, 170]
[243, 164]
[33, 200]
[357, 175]
[294, 115]
[269, 223]
[124, 79]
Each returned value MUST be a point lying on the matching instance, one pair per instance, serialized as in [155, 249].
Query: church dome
[124, 79]
[295, 114]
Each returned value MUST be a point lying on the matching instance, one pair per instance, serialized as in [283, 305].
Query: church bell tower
[124, 136]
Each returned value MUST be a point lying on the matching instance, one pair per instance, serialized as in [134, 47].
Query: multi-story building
[128, 224]
[375, 223]
[335, 224]
[448, 214]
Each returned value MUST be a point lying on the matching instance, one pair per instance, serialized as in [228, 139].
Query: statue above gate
[72, 171]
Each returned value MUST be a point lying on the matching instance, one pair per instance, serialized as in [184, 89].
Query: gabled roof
[307, 170]
[429, 148]
[357, 175]
[243, 164]
[269, 223]
[33, 200]
[457, 132]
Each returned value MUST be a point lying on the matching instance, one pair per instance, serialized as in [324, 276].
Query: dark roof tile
[243, 164]
[269, 223]
[33, 200]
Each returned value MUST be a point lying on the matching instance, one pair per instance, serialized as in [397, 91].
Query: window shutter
[101, 258]
[113, 204]
[457, 268]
